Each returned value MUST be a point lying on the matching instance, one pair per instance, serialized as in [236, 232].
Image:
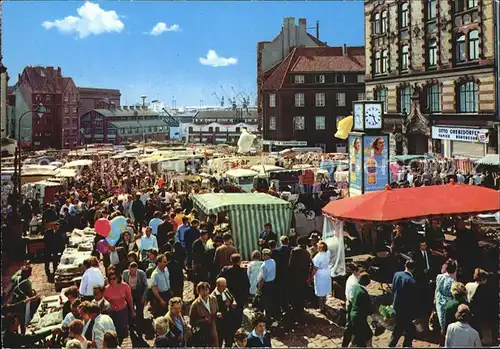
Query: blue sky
[99, 48]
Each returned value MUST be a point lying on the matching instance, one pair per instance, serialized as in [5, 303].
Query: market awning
[489, 160]
[403, 204]
[404, 158]
[248, 213]
[213, 203]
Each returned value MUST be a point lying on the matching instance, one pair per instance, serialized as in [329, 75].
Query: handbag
[433, 321]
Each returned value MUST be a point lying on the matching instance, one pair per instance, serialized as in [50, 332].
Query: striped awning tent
[248, 213]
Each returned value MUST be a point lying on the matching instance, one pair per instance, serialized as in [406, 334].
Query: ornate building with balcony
[432, 64]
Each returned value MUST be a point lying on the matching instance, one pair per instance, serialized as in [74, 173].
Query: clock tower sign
[368, 149]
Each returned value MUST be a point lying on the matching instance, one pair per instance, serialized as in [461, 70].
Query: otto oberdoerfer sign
[462, 134]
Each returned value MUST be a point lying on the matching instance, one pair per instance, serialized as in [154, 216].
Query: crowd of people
[167, 242]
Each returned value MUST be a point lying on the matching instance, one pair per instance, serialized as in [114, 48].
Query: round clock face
[373, 116]
[358, 116]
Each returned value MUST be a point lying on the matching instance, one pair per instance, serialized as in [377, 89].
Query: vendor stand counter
[70, 267]
[35, 246]
[48, 315]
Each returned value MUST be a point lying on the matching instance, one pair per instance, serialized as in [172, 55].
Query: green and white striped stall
[248, 213]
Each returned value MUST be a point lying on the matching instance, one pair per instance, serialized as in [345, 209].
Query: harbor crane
[221, 100]
[231, 100]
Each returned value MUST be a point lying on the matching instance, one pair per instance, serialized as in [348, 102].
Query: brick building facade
[59, 127]
[432, 63]
[309, 92]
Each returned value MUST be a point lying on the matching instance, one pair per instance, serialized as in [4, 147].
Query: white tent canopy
[78, 163]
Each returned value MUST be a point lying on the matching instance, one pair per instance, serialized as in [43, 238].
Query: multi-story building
[308, 93]
[97, 98]
[117, 125]
[221, 125]
[432, 64]
[58, 126]
[271, 53]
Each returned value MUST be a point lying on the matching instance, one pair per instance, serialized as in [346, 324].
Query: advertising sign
[462, 134]
[376, 162]
[355, 164]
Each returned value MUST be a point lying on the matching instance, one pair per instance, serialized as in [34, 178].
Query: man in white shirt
[148, 241]
[350, 285]
[96, 324]
[460, 334]
[91, 277]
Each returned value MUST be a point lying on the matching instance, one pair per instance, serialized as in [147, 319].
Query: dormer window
[299, 79]
[320, 79]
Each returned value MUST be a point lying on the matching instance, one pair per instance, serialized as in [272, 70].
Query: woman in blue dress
[444, 282]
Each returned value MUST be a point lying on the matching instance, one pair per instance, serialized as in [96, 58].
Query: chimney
[59, 71]
[344, 50]
[317, 30]
[302, 25]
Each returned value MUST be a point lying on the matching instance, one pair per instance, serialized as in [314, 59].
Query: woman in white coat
[322, 274]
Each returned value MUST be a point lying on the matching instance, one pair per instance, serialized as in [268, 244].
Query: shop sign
[286, 143]
[462, 134]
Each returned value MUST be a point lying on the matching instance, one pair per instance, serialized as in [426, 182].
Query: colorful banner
[376, 162]
[355, 164]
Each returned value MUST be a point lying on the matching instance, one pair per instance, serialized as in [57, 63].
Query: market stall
[248, 213]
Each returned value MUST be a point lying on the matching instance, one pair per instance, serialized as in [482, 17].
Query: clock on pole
[368, 149]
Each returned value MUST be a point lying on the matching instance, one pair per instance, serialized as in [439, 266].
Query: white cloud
[215, 60]
[91, 20]
[161, 27]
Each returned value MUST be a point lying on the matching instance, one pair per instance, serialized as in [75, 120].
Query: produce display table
[48, 315]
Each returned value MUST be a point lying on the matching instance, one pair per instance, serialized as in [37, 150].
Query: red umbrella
[415, 203]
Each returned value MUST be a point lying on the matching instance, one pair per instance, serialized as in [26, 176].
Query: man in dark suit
[190, 236]
[200, 270]
[239, 286]
[300, 263]
[359, 311]
[425, 273]
[404, 290]
[266, 236]
[281, 256]
[163, 231]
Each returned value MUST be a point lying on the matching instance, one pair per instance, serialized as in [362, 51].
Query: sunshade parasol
[392, 205]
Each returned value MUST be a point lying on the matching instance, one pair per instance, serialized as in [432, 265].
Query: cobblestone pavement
[313, 331]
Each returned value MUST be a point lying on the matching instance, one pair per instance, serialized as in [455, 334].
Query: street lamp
[40, 110]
